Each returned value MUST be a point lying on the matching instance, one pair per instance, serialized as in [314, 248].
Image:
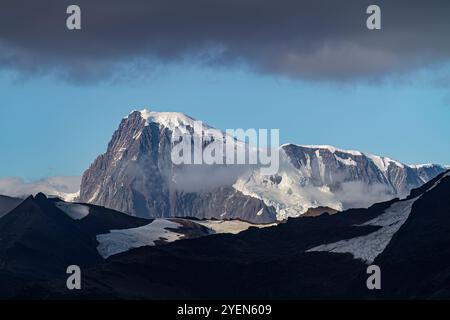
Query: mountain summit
[136, 176]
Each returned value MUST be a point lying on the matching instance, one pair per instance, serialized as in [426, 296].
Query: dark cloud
[312, 39]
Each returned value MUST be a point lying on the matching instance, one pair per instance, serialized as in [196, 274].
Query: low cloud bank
[18, 187]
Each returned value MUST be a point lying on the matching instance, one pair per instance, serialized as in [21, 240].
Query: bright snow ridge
[368, 247]
[75, 211]
[381, 162]
[174, 121]
[347, 162]
[117, 241]
[167, 119]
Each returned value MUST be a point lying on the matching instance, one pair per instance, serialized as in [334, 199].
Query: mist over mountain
[136, 175]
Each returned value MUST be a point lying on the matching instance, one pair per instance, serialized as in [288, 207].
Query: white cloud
[18, 187]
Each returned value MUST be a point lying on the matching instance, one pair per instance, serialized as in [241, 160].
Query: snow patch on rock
[75, 211]
[383, 163]
[347, 162]
[231, 226]
[117, 241]
[368, 247]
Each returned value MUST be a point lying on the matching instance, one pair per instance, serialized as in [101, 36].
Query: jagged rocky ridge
[136, 175]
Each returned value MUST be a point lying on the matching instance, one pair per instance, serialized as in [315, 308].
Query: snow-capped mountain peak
[171, 120]
[322, 175]
[168, 119]
[177, 122]
[136, 176]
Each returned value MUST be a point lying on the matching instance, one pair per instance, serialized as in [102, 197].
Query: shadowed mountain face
[7, 204]
[322, 257]
[41, 237]
[39, 241]
[136, 176]
[416, 263]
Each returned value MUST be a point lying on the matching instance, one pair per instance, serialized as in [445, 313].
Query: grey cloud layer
[312, 39]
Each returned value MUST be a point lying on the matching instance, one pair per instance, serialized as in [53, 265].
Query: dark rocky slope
[274, 263]
[38, 241]
[7, 204]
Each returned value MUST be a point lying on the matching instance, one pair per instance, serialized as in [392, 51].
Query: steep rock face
[323, 162]
[131, 170]
[326, 161]
[427, 172]
[136, 176]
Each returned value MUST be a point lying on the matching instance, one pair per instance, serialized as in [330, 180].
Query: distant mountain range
[322, 257]
[136, 176]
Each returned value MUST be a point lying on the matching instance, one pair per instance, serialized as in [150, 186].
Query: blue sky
[319, 75]
[50, 127]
